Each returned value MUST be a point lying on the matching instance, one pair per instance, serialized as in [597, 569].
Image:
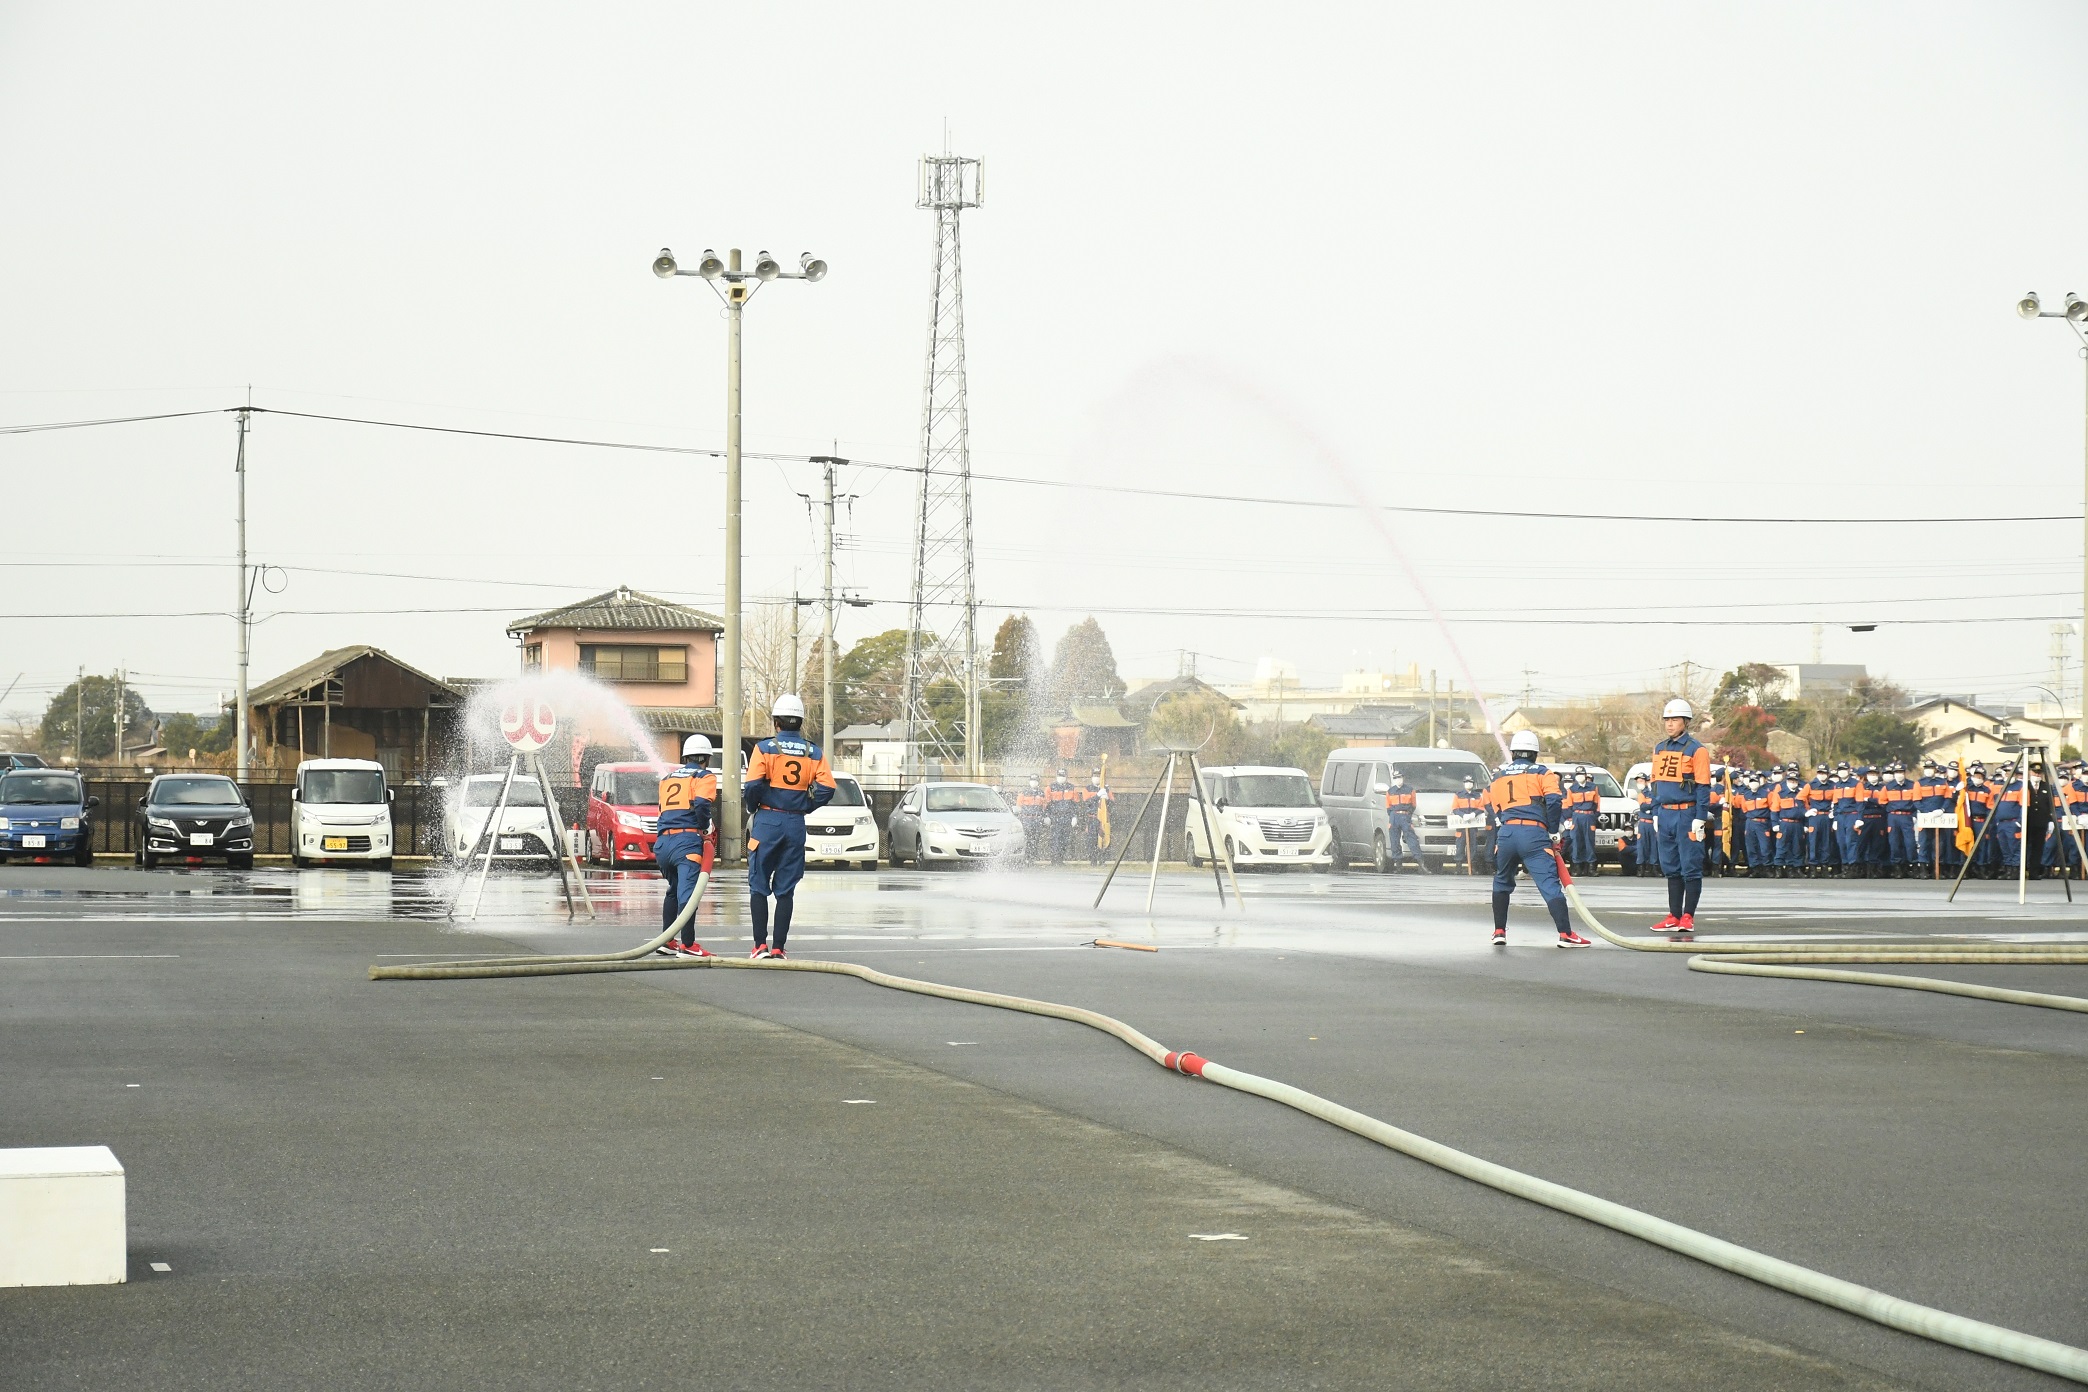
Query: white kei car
[844, 832]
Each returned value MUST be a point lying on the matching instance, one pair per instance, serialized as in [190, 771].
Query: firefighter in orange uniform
[786, 778]
[683, 848]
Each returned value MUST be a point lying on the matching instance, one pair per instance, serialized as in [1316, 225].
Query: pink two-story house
[660, 658]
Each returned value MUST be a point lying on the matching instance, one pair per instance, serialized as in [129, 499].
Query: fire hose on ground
[1941, 1326]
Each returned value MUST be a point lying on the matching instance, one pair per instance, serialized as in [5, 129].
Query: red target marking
[528, 724]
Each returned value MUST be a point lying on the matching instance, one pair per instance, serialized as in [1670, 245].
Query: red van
[623, 813]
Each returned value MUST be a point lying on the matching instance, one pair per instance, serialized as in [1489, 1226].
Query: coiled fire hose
[1941, 1326]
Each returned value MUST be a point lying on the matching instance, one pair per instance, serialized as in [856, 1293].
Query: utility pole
[80, 719]
[243, 616]
[943, 579]
[1431, 708]
[826, 463]
[797, 602]
[119, 716]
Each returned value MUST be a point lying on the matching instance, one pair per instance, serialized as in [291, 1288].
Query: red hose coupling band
[1185, 1063]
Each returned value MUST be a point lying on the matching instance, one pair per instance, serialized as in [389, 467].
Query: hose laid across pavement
[1811, 961]
[2008, 1345]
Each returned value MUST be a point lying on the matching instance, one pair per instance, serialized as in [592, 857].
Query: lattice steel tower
[942, 630]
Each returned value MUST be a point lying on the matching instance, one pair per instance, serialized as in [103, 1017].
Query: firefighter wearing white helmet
[1680, 785]
[786, 778]
[684, 846]
[1525, 799]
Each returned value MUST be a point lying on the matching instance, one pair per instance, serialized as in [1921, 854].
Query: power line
[1180, 495]
[106, 420]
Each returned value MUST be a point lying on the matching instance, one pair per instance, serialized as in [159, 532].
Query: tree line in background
[88, 708]
[1862, 724]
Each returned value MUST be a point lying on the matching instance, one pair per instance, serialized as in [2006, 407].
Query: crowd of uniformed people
[1063, 820]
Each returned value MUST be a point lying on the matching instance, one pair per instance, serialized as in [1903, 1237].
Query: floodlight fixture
[811, 267]
[765, 267]
[710, 267]
[664, 265]
[2076, 307]
[2029, 306]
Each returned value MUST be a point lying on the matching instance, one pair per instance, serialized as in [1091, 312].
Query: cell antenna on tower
[942, 639]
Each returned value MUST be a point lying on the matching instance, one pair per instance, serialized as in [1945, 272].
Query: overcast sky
[1675, 259]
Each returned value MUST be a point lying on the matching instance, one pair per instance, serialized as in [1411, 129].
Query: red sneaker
[776, 955]
[1668, 924]
[1685, 928]
[760, 951]
[1500, 937]
[696, 950]
[1573, 940]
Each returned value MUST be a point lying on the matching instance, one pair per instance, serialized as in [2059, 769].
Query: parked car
[195, 817]
[46, 815]
[1352, 789]
[843, 832]
[525, 835]
[1261, 816]
[340, 810]
[953, 822]
[623, 813]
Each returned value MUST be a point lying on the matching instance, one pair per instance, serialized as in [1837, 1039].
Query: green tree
[1018, 654]
[870, 680]
[94, 700]
[1743, 737]
[1878, 737]
[181, 732]
[1083, 669]
[1750, 684]
[1292, 746]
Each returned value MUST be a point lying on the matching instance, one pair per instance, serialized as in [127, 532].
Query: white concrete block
[61, 1217]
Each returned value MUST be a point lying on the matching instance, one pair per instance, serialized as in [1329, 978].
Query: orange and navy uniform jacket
[1578, 801]
[686, 798]
[1847, 796]
[1787, 800]
[788, 774]
[1030, 802]
[1681, 774]
[1400, 802]
[1063, 797]
[1979, 799]
[1819, 795]
[1467, 803]
[1526, 793]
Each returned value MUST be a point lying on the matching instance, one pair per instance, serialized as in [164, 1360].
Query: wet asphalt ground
[462, 1184]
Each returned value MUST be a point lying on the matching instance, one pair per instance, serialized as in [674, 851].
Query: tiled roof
[681, 720]
[623, 608]
[321, 668]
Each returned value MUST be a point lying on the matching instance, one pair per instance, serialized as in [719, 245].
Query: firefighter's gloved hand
[1859, 826]
[1696, 829]
[1555, 837]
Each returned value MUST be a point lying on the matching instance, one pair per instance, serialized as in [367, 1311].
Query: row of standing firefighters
[1063, 820]
[1856, 822]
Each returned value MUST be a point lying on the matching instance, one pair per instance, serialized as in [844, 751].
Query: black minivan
[193, 817]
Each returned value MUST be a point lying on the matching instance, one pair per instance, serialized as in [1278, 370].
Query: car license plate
[33, 843]
[511, 843]
[333, 843]
[201, 838]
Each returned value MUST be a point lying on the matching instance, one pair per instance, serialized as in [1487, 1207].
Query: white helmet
[789, 703]
[1676, 707]
[694, 745]
[1523, 742]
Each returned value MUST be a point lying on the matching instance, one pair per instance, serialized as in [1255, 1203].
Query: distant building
[1804, 679]
[1089, 731]
[660, 658]
[1375, 726]
[1953, 728]
[354, 703]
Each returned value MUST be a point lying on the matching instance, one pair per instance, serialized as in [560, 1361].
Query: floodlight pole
[731, 713]
[2075, 314]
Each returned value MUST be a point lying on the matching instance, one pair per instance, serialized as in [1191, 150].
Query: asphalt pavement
[436, 1184]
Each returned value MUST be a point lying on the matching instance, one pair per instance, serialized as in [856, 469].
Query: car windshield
[847, 793]
[25, 760]
[195, 792]
[485, 792]
[965, 797]
[1604, 783]
[342, 785]
[1443, 776]
[636, 789]
[1267, 790]
[40, 787]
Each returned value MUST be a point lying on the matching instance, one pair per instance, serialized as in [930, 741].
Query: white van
[1261, 816]
[1352, 789]
[844, 832]
[340, 811]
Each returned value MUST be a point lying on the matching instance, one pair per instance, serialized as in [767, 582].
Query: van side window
[1352, 778]
[1329, 777]
[1382, 773]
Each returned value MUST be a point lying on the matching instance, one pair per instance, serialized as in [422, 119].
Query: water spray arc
[943, 578]
[740, 285]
